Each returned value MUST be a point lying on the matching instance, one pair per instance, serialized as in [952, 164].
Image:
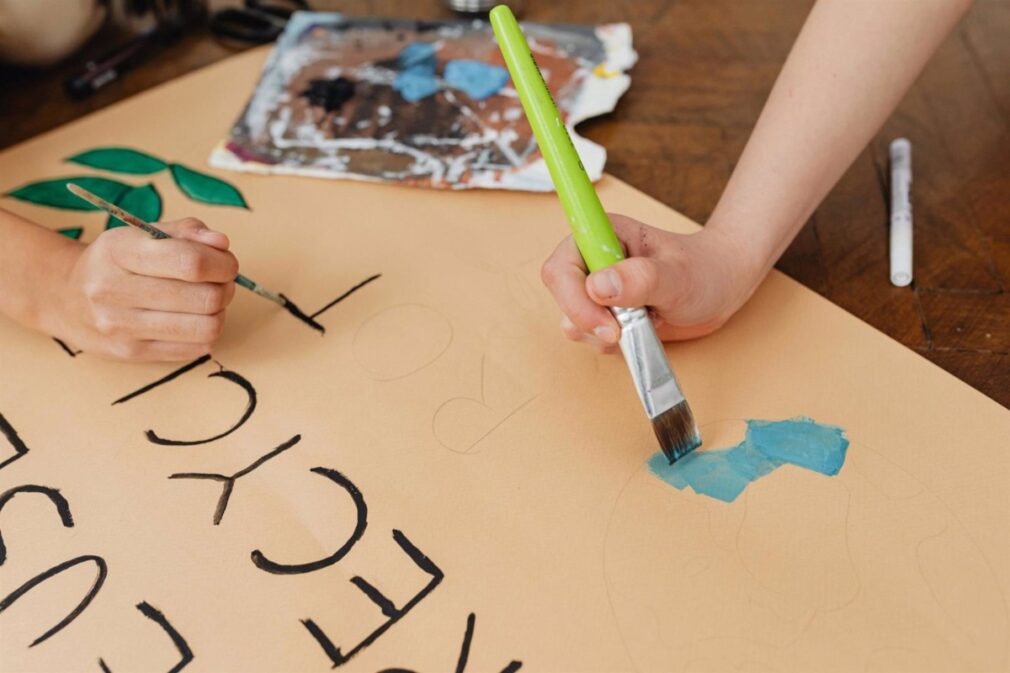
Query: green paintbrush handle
[589, 222]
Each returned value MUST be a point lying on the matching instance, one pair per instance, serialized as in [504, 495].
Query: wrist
[47, 301]
[745, 260]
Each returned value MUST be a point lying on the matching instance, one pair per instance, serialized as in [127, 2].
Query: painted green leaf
[71, 232]
[144, 202]
[54, 193]
[206, 188]
[119, 160]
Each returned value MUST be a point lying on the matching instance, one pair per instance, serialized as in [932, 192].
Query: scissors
[256, 22]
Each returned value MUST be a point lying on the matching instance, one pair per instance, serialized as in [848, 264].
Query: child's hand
[691, 283]
[133, 297]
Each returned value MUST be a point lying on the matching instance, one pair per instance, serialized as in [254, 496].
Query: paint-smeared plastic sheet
[420, 103]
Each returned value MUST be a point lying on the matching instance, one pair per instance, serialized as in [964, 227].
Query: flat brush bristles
[676, 431]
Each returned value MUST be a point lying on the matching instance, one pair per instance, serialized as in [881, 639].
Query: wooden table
[706, 67]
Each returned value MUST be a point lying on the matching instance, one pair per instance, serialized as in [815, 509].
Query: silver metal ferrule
[643, 351]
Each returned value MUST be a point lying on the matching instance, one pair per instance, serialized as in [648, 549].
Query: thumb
[192, 229]
[633, 282]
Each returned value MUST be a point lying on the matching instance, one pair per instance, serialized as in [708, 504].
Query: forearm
[850, 66]
[33, 262]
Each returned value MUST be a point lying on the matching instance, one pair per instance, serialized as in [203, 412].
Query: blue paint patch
[723, 474]
[416, 79]
[477, 79]
[417, 55]
[414, 86]
[800, 441]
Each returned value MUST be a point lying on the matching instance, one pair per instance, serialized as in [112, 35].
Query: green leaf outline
[143, 201]
[206, 188]
[119, 160]
[53, 193]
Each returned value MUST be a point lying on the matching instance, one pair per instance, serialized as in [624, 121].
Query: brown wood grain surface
[705, 69]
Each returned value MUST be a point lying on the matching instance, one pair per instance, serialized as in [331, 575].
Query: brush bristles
[676, 431]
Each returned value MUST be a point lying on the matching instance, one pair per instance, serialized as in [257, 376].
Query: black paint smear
[464, 651]
[103, 571]
[424, 563]
[61, 504]
[385, 605]
[263, 563]
[226, 374]
[67, 349]
[238, 380]
[347, 294]
[329, 94]
[229, 482]
[155, 615]
[165, 379]
[293, 309]
[20, 448]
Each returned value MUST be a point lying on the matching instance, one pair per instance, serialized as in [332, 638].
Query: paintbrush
[155, 232]
[657, 387]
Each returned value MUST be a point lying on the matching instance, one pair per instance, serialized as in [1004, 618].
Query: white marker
[901, 212]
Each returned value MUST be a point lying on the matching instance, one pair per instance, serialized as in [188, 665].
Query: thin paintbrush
[643, 351]
[155, 232]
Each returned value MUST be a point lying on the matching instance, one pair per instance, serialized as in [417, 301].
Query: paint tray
[419, 103]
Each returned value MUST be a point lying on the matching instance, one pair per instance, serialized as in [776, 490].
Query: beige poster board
[502, 468]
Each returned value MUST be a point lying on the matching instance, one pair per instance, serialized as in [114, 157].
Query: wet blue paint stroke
[477, 79]
[723, 474]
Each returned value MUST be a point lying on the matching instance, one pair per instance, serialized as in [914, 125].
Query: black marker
[111, 65]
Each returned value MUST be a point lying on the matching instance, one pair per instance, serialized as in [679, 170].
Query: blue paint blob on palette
[479, 80]
[416, 79]
[723, 474]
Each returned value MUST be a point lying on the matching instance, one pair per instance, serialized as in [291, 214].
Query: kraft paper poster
[441, 482]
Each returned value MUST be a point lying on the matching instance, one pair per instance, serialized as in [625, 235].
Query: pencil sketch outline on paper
[482, 402]
[439, 346]
[799, 617]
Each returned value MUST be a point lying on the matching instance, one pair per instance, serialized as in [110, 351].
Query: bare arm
[850, 66]
[124, 295]
[33, 262]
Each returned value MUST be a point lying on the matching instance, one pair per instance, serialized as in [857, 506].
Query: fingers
[638, 238]
[195, 255]
[154, 351]
[636, 281]
[126, 325]
[573, 333]
[565, 276]
[192, 229]
[160, 294]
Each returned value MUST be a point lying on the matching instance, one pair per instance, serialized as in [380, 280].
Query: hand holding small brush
[125, 295]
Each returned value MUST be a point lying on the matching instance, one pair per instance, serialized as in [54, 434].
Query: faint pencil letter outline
[483, 402]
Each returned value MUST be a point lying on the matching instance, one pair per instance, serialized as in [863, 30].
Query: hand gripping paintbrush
[155, 232]
[643, 351]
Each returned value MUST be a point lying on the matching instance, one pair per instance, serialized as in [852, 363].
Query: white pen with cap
[901, 212]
